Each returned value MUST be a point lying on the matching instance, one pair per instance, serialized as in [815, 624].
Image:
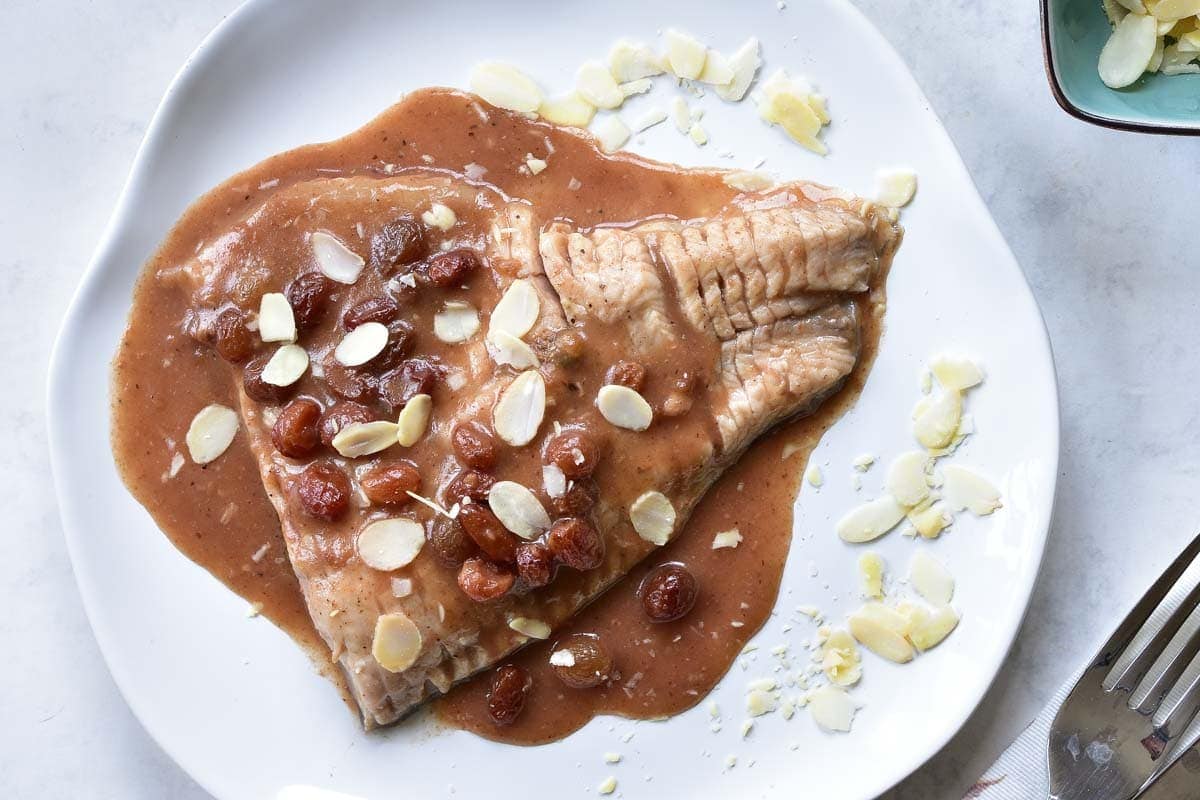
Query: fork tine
[1178, 713]
[1170, 664]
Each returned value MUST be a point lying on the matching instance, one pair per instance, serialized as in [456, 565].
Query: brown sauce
[220, 517]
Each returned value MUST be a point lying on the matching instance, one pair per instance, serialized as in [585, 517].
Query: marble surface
[1102, 223]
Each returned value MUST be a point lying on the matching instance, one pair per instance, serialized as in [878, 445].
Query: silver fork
[1133, 712]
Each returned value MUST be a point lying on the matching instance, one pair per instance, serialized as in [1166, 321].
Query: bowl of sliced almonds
[1127, 64]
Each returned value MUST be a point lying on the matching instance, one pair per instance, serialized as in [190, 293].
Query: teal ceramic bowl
[1073, 33]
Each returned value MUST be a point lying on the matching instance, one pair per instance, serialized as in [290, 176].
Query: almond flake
[517, 310]
[608, 785]
[870, 571]
[759, 702]
[402, 587]
[653, 517]
[717, 69]
[730, 538]
[936, 418]
[364, 438]
[624, 407]
[276, 323]
[631, 61]
[698, 135]
[880, 639]
[413, 420]
[929, 519]
[361, 344]
[562, 658]
[505, 86]
[286, 366]
[397, 642]
[813, 476]
[388, 544]
[832, 709]
[648, 119]
[895, 187]
[211, 432]
[612, 758]
[595, 84]
[748, 181]
[554, 481]
[536, 166]
[611, 132]
[931, 579]
[870, 520]
[680, 114]
[640, 86]
[518, 509]
[685, 54]
[336, 261]
[439, 216]
[906, 478]
[518, 413]
[456, 322]
[1129, 49]
[931, 628]
[744, 63]
[956, 372]
[571, 110]
[965, 489]
[533, 628]
[840, 659]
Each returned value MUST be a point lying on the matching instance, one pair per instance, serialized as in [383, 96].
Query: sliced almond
[648, 119]
[362, 344]
[439, 216]
[907, 479]
[286, 366]
[611, 132]
[685, 54]
[397, 642]
[211, 432]
[595, 84]
[562, 658]
[895, 187]
[571, 110]
[517, 310]
[640, 86]
[631, 61]
[364, 438]
[956, 372]
[1173, 10]
[388, 544]
[334, 259]
[624, 407]
[881, 640]
[533, 628]
[413, 420]
[518, 413]
[831, 708]
[1128, 51]
[727, 539]
[680, 114]
[930, 518]
[276, 322]
[748, 180]
[932, 628]
[717, 69]
[840, 660]
[536, 166]
[936, 418]
[744, 63]
[759, 702]
[456, 322]
[870, 520]
[870, 572]
[518, 509]
[930, 578]
[505, 86]
[554, 480]
[966, 489]
[653, 517]
[697, 134]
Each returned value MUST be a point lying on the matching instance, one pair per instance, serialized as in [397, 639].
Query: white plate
[240, 708]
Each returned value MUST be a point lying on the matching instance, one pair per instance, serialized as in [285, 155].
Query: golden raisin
[468, 483]
[389, 484]
[590, 662]
[231, 337]
[506, 697]
[577, 501]
[496, 541]
[338, 416]
[668, 592]
[626, 373]
[483, 581]
[309, 296]
[448, 541]
[295, 430]
[260, 390]
[382, 309]
[474, 445]
[573, 451]
[399, 242]
[323, 490]
[576, 543]
[535, 565]
[450, 268]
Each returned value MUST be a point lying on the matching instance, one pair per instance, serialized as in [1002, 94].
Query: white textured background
[1104, 224]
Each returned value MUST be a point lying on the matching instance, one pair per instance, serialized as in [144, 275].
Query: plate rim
[57, 381]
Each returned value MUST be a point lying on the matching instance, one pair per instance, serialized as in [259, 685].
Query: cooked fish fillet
[767, 296]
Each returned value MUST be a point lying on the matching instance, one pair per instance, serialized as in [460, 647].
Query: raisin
[668, 592]
[474, 445]
[348, 382]
[401, 241]
[231, 337]
[483, 581]
[389, 484]
[413, 377]
[260, 390]
[449, 268]
[309, 296]
[324, 490]
[382, 309]
[338, 416]
[591, 662]
[576, 543]
[496, 541]
[295, 430]
[401, 340]
[561, 347]
[506, 697]
[468, 483]
[573, 451]
[449, 542]
[626, 373]
[679, 400]
[535, 565]
[577, 501]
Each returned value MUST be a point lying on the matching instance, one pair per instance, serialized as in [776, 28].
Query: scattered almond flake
[210, 433]
[793, 105]
[931, 628]
[518, 509]
[507, 349]
[474, 172]
[929, 519]
[612, 758]
[361, 344]
[781, 5]
[631, 61]
[788, 708]
[873, 627]
[759, 702]
[730, 761]
[749, 648]
[505, 86]
[397, 642]
[571, 110]
[936, 418]
[964, 489]
[1129, 50]
[747, 726]
[389, 544]
[517, 310]
[931, 579]
[831, 708]
[685, 55]
[536, 166]
[276, 323]
[624, 407]
[809, 611]
[574, 185]
[611, 132]
[562, 658]
[748, 181]
[456, 380]
[715, 726]
[628, 736]
[813, 476]
[286, 366]
[717, 70]
[855, 481]
[407, 279]
[697, 134]
[228, 513]
[737, 623]
[177, 462]
[456, 322]
[762, 685]
[863, 462]
[744, 64]
[680, 114]
[533, 628]
[895, 187]
[870, 572]
[595, 84]
[439, 216]
[365, 438]
[518, 413]
[336, 261]
[432, 505]
[639, 86]
[713, 709]
[402, 587]
[258, 554]
[648, 119]
[870, 520]
[907, 478]
[790, 449]
[730, 539]
[254, 609]
[608, 786]
[334, 613]
[554, 481]
[840, 660]
[653, 517]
